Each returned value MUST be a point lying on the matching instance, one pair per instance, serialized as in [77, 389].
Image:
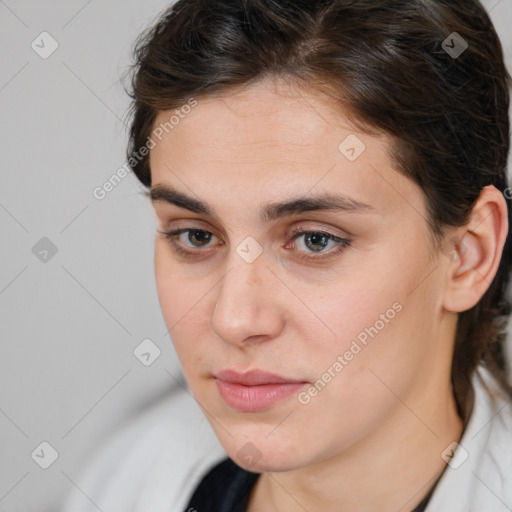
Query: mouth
[256, 390]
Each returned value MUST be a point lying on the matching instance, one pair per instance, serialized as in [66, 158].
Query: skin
[372, 438]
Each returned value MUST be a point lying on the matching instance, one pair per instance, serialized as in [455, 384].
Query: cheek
[181, 291]
[353, 374]
[167, 284]
[385, 362]
[182, 301]
[357, 309]
[377, 320]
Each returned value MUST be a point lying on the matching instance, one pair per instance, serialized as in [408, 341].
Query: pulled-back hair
[387, 63]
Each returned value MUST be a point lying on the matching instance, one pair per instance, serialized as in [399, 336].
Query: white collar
[479, 476]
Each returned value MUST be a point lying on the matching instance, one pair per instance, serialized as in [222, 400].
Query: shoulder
[154, 463]
[480, 475]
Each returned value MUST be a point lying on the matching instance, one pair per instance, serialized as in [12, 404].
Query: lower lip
[256, 398]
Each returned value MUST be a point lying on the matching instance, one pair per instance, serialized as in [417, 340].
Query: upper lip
[253, 377]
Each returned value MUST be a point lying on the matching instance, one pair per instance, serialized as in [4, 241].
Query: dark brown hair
[389, 64]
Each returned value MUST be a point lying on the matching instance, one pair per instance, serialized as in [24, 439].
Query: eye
[198, 238]
[315, 241]
[188, 242]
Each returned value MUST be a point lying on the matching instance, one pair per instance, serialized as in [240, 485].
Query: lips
[253, 378]
[256, 390]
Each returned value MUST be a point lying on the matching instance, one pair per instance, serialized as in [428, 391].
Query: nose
[247, 308]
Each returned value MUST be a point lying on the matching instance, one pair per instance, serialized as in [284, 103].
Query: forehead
[271, 114]
[274, 140]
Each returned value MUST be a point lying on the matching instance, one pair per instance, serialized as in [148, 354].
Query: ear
[478, 247]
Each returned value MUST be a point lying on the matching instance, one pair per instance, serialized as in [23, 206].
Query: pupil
[202, 236]
[318, 239]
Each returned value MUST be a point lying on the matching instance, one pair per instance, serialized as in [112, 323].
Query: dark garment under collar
[226, 488]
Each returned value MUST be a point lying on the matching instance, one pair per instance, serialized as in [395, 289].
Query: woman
[329, 183]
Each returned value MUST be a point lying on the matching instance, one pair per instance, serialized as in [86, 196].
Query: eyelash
[342, 243]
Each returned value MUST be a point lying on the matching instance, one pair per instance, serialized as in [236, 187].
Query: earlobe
[478, 250]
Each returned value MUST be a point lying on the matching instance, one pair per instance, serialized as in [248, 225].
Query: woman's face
[353, 329]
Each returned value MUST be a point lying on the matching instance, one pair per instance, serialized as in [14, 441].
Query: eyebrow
[270, 211]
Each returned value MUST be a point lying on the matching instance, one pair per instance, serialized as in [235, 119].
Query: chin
[269, 463]
[258, 452]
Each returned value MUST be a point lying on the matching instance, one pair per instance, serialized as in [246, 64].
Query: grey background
[69, 325]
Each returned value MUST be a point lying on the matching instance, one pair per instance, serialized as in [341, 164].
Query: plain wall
[70, 324]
